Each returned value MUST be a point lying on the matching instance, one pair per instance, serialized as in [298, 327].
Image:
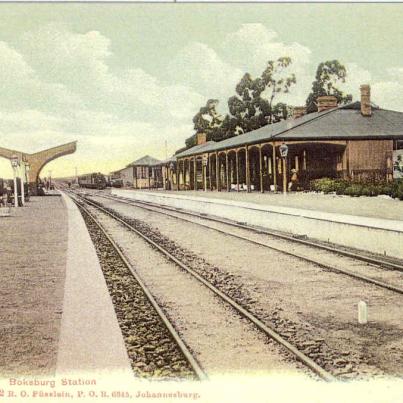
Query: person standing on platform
[292, 185]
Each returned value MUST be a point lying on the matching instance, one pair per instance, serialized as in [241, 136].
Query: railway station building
[144, 173]
[356, 141]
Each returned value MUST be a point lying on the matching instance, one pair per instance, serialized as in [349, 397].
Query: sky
[126, 79]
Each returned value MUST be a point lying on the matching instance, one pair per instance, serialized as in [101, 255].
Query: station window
[399, 144]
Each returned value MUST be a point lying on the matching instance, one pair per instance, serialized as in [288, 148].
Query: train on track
[92, 181]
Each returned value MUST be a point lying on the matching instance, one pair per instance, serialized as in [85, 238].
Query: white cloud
[199, 67]
[28, 121]
[396, 73]
[356, 76]
[61, 56]
[215, 73]
[388, 94]
[385, 92]
[13, 66]
[78, 64]
[253, 45]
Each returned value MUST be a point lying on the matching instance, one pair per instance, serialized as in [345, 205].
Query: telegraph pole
[22, 173]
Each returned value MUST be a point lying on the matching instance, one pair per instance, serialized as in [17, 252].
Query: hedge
[344, 187]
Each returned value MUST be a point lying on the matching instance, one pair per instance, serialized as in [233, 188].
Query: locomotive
[92, 181]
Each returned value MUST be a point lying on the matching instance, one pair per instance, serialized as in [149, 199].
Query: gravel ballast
[315, 309]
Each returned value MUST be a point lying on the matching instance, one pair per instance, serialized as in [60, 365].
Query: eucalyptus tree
[254, 104]
[328, 75]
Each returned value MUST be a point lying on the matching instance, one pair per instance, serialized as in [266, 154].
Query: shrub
[397, 191]
[325, 185]
[342, 186]
[370, 190]
[354, 190]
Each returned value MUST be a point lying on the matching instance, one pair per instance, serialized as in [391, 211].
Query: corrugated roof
[167, 161]
[146, 160]
[338, 123]
[350, 124]
[200, 148]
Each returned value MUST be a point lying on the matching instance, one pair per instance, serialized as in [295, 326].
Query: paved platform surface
[32, 271]
[56, 316]
[376, 207]
[90, 338]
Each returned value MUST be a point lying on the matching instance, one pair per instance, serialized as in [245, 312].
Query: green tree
[328, 75]
[228, 128]
[208, 121]
[207, 118]
[254, 104]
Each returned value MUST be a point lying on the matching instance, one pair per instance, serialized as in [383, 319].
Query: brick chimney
[298, 111]
[201, 138]
[366, 100]
[326, 102]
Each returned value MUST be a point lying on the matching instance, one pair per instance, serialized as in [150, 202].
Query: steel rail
[182, 346]
[346, 272]
[327, 376]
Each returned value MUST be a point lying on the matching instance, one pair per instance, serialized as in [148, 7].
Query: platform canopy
[38, 160]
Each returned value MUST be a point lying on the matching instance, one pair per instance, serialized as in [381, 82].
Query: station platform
[383, 207]
[370, 224]
[56, 315]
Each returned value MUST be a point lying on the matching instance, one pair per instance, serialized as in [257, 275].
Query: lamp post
[27, 168]
[204, 171]
[14, 164]
[284, 152]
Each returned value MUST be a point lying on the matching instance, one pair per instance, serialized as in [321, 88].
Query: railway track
[241, 310]
[179, 214]
[152, 327]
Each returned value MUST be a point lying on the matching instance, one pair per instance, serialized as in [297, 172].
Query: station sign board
[398, 164]
[283, 150]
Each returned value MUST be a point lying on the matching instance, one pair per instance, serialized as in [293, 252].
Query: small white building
[147, 173]
[144, 173]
